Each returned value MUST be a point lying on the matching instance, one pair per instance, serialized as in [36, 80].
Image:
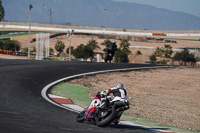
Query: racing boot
[116, 121]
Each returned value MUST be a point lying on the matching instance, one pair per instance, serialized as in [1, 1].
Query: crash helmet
[119, 85]
[114, 42]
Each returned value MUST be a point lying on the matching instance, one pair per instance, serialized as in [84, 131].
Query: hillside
[91, 13]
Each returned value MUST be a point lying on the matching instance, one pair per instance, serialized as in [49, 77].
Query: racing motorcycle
[109, 55]
[102, 114]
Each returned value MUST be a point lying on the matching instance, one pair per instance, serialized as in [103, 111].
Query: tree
[59, 46]
[90, 47]
[83, 51]
[121, 55]
[106, 43]
[191, 59]
[72, 48]
[78, 52]
[1, 44]
[2, 12]
[165, 51]
[159, 52]
[184, 57]
[168, 51]
[11, 45]
[124, 46]
[93, 44]
[89, 52]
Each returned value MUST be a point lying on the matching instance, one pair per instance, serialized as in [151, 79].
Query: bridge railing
[97, 28]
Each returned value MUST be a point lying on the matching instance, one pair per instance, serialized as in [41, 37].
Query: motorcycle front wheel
[81, 116]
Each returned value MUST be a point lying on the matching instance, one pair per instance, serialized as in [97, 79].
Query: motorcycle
[102, 114]
[109, 55]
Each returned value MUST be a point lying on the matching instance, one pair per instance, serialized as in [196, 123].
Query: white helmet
[119, 85]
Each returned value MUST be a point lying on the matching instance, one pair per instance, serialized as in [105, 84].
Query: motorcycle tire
[81, 116]
[106, 58]
[107, 120]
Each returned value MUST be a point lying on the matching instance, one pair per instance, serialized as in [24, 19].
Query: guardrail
[152, 48]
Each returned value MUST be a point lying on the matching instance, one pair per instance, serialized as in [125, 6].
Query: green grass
[17, 34]
[79, 95]
[21, 34]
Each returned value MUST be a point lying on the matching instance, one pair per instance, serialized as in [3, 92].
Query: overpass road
[24, 110]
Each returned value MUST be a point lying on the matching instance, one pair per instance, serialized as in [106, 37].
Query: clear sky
[187, 6]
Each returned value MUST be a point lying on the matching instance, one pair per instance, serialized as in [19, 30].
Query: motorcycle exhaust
[105, 114]
[123, 108]
[120, 104]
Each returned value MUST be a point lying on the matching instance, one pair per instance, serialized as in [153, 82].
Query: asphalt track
[24, 110]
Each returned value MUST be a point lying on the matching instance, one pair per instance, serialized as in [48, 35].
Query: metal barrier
[103, 30]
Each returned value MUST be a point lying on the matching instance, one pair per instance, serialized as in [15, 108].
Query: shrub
[10, 45]
[164, 61]
[72, 48]
[25, 50]
[184, 57]
[51, 51]
[1, 44]
[83, 51]
[121, 56]
[59, 46]
[34, 49]
[138, 52]
[165, 51]
[152, 58]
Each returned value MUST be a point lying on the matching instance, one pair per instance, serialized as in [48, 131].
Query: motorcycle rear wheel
[106, 121]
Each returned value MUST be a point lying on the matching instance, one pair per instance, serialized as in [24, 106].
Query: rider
[111, 48]
[119, 93]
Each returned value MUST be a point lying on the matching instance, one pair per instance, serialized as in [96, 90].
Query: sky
[187, 6]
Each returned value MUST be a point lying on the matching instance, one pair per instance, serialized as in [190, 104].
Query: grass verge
[17, 34]
[22, 34]
[79, 95]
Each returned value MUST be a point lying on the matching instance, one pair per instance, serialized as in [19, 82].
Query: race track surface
[23, 109]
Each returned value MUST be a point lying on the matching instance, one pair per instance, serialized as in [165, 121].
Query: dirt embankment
[170, 96]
